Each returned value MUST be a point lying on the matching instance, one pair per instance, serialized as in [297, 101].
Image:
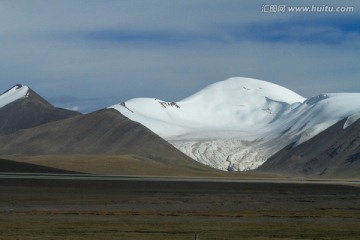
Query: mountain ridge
[335, 152]
[22, 108]
[238, 123]
[101, 133]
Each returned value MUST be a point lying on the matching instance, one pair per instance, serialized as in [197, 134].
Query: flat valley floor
[159, 210]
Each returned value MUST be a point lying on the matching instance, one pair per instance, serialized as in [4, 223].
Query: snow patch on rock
[13, 94]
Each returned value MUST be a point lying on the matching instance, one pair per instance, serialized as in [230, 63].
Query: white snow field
[13, 94]
[237, 124]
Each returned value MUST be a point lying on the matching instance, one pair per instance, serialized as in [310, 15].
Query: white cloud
[74, 108]
[45, 46]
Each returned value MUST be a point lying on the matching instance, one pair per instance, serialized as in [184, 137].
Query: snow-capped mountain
[21, 108]
[30, 127]
[16, 92]
[237, 124]
[333, 153]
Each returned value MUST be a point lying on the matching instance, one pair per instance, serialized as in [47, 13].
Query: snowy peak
[241, 101]
[239, 123]
[21, 108]
[233, 104]
[15, 87]
[245, 89]
[16, 92]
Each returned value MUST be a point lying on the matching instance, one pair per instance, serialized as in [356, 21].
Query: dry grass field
[158, 210]
[125, 164]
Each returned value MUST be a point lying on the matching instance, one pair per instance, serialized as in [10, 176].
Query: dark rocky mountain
[334, 152]
[102, 132]
[29, 111]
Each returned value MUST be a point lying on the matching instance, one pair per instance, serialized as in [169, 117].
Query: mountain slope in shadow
[334, 152]
[104, 132]
[30, 111]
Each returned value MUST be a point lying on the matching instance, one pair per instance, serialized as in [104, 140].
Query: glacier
[238, 123]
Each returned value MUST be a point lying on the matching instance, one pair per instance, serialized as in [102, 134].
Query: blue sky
[92, 54]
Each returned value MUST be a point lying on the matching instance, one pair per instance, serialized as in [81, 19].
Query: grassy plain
[116, 164]
[149, 210]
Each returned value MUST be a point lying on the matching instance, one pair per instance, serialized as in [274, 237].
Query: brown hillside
[29, 112]
[105, 132]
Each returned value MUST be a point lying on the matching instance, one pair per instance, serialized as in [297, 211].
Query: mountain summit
[221, 108]
[21, 108]
[16, 92]
[237, 124]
